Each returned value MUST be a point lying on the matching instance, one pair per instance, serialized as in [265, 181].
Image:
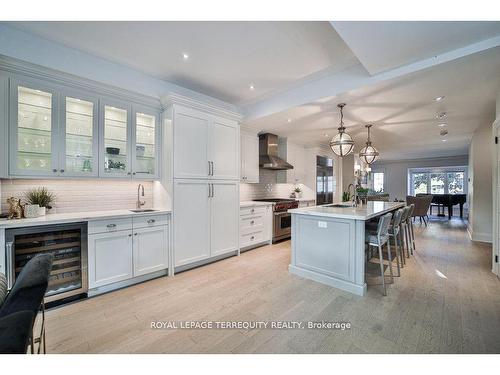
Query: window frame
[383, 180]
[429, 171]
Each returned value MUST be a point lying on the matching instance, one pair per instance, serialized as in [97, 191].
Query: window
[378, 182]
[449, 180]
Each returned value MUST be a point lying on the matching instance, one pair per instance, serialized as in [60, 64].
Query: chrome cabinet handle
[9, 265]
[209, 168]
[213, 190]
[212, 167]
[151, 221]
[111, 225]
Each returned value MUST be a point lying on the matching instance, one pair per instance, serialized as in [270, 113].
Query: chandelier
[342, 144]
[368, 153]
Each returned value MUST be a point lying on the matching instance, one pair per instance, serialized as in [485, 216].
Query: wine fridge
[66, 242]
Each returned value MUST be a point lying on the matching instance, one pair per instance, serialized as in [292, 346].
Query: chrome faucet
[354, 196]
[139, 202]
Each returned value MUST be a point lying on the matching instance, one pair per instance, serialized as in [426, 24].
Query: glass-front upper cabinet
[79, 154]
[146, 138]
[33, 130]
[116, 139]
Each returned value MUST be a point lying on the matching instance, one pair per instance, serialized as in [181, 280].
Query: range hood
[268, 153]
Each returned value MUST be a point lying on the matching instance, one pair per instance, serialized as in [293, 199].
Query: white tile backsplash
[82, 195]
[269, 188]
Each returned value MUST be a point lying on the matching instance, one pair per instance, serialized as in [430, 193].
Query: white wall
[396, 172]
[82, 195]
[480, 184]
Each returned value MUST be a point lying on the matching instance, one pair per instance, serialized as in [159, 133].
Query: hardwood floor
[447, 301]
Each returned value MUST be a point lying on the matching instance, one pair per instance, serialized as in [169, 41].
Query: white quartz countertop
[75, 217]
[254, 204]
[362, 212]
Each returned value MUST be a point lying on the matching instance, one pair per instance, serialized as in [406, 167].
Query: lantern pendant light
[342, 144]
[368, 153]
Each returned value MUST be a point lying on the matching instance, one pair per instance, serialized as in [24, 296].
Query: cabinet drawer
[109, 225]
[251, 223]
[251, 238]
[150, 221]
[260, 210]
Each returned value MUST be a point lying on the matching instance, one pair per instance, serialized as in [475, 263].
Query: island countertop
[361, 212]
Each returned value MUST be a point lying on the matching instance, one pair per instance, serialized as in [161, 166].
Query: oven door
[282, 226]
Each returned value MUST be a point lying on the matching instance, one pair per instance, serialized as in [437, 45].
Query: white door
[150, 250]
[250, 155]
[224, 217]
[224, 150]
[191, 221]
[191, 134]
[110, 258]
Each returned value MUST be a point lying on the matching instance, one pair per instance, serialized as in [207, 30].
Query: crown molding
[27, 69]
[176, 99]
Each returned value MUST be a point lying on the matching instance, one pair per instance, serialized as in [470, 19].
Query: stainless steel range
[282, 220]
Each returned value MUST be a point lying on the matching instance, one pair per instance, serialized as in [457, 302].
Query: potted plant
[298, 192]
[346, 196]
[40, 196]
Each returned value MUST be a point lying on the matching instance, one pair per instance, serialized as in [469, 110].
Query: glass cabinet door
[80, 137]
[145, 137]
[116, 141]
[34, 123]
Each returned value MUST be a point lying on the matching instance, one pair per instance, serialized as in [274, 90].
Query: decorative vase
[31, 211]
[298, 195]
[42, 211]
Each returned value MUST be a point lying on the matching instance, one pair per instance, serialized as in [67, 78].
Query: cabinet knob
[54, 170]
[151, 221]
[130, 235]
[252, 238]
[111, 225]
[135, 234]
[252, 210]
[128, 173]
[62, 170]
[133, 173]
[252, 222]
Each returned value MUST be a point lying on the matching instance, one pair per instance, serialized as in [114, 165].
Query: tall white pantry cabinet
[205, 170]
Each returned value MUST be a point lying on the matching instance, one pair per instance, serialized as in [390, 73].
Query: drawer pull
[130, 235]
[111, 225]
[252, 238]
[151, 221]
[252, 210]
[252, 222]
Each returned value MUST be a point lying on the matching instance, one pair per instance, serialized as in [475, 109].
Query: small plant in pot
[42, 197]
[297, 191]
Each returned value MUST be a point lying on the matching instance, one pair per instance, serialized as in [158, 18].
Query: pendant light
[368, 153]
[342, 144]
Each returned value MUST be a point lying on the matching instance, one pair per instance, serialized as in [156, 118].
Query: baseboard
[479, 237]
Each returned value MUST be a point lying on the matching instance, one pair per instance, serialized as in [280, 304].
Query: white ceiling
[224, 57]
[403, 110]
[381, 46]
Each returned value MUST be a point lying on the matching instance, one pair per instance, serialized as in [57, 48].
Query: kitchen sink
[143, 210]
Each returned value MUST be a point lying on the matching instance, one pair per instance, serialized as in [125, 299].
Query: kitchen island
[328, 243]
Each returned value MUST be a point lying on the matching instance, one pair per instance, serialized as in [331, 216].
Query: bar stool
[394, 230]
[402, 234]
[410, 227]
[378, 239]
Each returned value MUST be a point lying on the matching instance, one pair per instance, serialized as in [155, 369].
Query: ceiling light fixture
[342, 144]
[289, 120]
[442, 125]
[368, 153]
[439, 98]
[443, 140]
[252, 87]
[185, 56]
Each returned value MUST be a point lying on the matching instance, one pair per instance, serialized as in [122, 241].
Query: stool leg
[389, 256]
[401, 245]
[407, 242]
[397, 255]
[413, 238]
[381, 257]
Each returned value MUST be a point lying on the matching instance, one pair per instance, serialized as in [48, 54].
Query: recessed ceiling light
[443, 140]
[441, 115]
[325, 135]
[289, 120]
[442, 125]
[252, 87]
[439, 98]
[185, 56]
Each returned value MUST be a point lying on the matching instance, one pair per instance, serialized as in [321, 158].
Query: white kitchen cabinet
[191, 221]
[224, 150]
[146, 137]
[33, 129]
[110, 258]
[4, 121]
[224, 217]
[249, 145]
[150, 250]
[205, 146]
[255, 226]
[295, 155]
[205, 220]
